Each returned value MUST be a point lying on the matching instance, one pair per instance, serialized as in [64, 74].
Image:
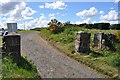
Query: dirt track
[50, 62]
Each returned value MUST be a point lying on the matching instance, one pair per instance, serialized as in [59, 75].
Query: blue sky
[38, 14]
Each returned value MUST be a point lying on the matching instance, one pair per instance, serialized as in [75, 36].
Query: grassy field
[104, 61]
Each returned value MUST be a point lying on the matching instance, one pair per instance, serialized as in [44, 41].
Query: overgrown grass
[17, 67]
[104, 61]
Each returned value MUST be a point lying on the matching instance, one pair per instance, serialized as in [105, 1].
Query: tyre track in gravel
[50, 62]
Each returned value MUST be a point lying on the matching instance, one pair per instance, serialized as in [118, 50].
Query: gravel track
[50, 62]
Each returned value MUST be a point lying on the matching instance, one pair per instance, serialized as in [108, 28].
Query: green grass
[104, 61]
[17, 68]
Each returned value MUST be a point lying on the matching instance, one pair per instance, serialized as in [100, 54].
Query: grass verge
[104, 61]
[17, 67]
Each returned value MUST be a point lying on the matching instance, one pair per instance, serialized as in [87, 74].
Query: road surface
[50, 62]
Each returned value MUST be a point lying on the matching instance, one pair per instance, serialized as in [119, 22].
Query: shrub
[118, 48]
[115, 26]
[56, 29]
[86, 26]
[117, 35]
[115, 61]
[91, 26]
[36, 29]
[112, 60]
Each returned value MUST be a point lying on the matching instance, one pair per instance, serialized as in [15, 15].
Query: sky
[30, 14]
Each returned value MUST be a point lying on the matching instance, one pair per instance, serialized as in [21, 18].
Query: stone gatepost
[82, 42]
[12, 44]
[99, 40]
[109, 39]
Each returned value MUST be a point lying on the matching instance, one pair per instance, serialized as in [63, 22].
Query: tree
[102, 26]
[67, 23]
[55, 26]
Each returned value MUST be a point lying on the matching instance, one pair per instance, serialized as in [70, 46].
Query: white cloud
[26, 18]
[51, 15]
[101, 12]
[1, 24]
[28, 12]
[116, 1]
[84, 21]
[28, 25]
[42, 22]
[18, 12]
[13, 9]
[41, 6]
[111, 22]
[111, 16]
[14, 12]
[111, 8]
[4, 1]
[21, 26]
[55, 5]
[8, 7]
[94, 22]
[58, 13]
[38, 22]
[87, 13]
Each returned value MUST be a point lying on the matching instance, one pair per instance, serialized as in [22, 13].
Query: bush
[86, 26]
[117, 45]
[36, 29]
[91, 26]
[117, 35]
[115, 26]
[56, 29]
[114, 61]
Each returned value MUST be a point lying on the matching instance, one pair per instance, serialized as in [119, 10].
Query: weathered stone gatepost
[98, 40]
[109, 39]
[82, 42]
[12, 42]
